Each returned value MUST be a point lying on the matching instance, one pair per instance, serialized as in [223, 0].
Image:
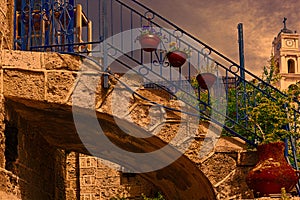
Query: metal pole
[105, 35]
[241, 50]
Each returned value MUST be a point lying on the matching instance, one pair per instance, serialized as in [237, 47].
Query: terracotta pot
[149, 42]
[176, 58]
[206, 80]
[272, 172]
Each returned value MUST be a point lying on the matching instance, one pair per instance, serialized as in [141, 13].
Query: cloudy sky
[215, 23]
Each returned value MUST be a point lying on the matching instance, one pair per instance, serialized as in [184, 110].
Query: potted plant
[149, 38]
[270, 118]
[177, 56]
[206, 78]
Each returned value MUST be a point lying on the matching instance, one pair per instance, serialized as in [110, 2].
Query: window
[291, 66]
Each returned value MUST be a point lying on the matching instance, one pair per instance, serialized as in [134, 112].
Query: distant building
[287, 56]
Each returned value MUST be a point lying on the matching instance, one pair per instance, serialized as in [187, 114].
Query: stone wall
[2, 134]
[45, 82]
[227, 167]
[6, 24]
[9, 187]
[40, 166]
[91, 179]
[34, 169]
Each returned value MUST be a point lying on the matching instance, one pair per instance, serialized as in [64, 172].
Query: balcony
[51, 25]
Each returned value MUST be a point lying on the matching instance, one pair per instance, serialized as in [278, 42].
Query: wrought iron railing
[51, 25]
[66, 26]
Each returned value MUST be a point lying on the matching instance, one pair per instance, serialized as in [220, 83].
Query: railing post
[90, 36]
[105, 46]
[241, 50]
[23, 27]
[293, 147]
[79, 24]
[70, 27]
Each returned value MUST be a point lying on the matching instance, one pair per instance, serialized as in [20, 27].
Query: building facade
[287, 56]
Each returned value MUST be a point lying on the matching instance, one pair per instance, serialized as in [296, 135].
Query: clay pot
[149, 42]
[176, 58]
[272, 172]
[206, 80]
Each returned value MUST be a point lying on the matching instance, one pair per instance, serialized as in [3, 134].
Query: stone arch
[39, 91]
[180, 180]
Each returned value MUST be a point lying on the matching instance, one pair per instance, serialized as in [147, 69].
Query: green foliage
[271, 73]
[173, 46]
[209, 67]
[158, 196]
[263, 110]
[149, 30]
[269, 117]
[118, 198]
[284, 196]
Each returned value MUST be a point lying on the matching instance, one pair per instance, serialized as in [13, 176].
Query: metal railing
[51, 25]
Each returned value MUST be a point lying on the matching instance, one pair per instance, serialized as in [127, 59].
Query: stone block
[61, 61]
[58, 86]
[218, 166]
[88, 171]
[87, 162]
[87, 180]
[21, 59]
[234, 186]
[230, 144]
[70, 194]
[6, 196]
[24, 84]
[247, 158]
[85, 89]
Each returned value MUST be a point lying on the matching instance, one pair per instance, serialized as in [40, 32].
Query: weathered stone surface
[248, 158]
[97, 181]
[9, 184]
[230, 144]
[58, 61]
[6, 24]
[42, 168]
[2, 135]
[6, 196]
[217, 167]
[235, 187]
[21, 59]
[59, 85]
[24, 84]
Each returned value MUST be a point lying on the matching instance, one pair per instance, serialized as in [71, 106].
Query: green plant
[159, 196]
[173, 46]
[149, 30]
[271, 116]
[118, 198]
[284, 196]
[259, 109]
[209, 67]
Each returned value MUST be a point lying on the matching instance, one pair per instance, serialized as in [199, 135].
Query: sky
[215, 23]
